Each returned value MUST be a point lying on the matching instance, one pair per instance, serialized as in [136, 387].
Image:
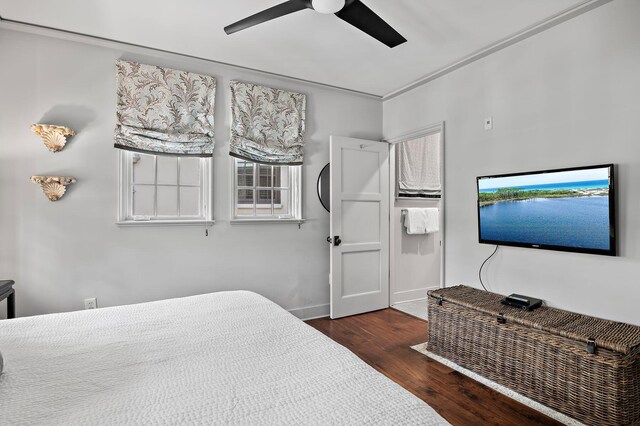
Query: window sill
[161, 223]
[253, 221]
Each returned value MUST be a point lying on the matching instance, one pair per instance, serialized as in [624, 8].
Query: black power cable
[482, 266]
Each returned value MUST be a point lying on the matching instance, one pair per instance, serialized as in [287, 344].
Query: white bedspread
[230, 358]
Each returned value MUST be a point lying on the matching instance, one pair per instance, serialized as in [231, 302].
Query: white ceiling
[306, 44]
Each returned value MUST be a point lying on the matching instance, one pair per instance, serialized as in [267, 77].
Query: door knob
[335, 240]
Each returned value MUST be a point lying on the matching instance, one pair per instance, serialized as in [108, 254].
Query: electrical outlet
[488, 123]
[90, 303]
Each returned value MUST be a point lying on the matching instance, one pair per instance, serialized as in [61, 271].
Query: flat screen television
[565, 209]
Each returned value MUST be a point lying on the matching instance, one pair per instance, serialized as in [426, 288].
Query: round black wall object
[324, 186]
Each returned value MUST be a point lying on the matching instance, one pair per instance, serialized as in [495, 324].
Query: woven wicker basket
[542, 354]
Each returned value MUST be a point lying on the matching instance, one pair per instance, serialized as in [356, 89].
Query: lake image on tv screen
[569, 209]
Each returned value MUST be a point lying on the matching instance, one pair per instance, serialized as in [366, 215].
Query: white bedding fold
[229, 358]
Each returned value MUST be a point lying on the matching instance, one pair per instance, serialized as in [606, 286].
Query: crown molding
[560, 17]
[27, 27]
[524, 34]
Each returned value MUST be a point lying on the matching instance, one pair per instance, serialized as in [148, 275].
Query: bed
[229, 358]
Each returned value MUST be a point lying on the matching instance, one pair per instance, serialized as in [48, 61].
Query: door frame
[424, 131]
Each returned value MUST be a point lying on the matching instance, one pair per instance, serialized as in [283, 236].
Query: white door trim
[424, 131]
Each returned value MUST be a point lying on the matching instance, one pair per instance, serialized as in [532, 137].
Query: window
[159, 189]
[418, 166]
[266, 192]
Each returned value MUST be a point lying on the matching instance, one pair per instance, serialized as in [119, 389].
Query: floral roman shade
[164, 111]
[267, 124]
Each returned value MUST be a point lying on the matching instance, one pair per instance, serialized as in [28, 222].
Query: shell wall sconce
[53, 187]
[54, 137]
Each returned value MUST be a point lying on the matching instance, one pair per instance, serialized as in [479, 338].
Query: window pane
[189, 171]
[245, 196]
[149, 187]
[244, 180]
[278, 172]
[261, 200]
[143, 198]
[189, 201]
[281, 202]
[168, 201]
[264, 176]
[244, 207]
[143, 168]
[277, 196]
[245, 173]
[167, 170]
[264, 196]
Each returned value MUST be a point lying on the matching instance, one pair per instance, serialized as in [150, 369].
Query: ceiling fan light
[327, 6]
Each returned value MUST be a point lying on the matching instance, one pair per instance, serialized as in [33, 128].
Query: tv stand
[585, 367]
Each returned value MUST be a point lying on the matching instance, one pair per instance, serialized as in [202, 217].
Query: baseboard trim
[311, 312]
[411, 295]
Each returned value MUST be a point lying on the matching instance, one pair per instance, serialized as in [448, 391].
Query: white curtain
[418, 166]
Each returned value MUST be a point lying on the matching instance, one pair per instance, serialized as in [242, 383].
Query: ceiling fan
[353, 12]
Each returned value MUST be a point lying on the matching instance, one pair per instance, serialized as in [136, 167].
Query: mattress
[229, 358]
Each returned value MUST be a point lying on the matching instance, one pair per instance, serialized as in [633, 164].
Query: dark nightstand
[7, 292]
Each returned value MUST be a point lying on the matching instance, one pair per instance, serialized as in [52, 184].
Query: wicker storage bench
[547, 354]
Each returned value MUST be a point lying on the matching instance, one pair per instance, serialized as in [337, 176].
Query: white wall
[415, 258]
[60, 253]
[568, 96]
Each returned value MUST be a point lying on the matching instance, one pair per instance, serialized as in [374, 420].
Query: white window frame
[125, 215]
[295, 198]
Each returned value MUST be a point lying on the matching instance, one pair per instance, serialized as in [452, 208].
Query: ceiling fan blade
[365, 19]
[266, 15]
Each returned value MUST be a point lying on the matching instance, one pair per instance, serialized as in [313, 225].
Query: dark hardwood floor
[383, 339]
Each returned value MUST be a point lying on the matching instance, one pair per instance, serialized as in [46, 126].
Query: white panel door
[359, 226]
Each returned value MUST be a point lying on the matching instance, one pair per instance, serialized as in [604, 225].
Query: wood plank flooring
[383, 339]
